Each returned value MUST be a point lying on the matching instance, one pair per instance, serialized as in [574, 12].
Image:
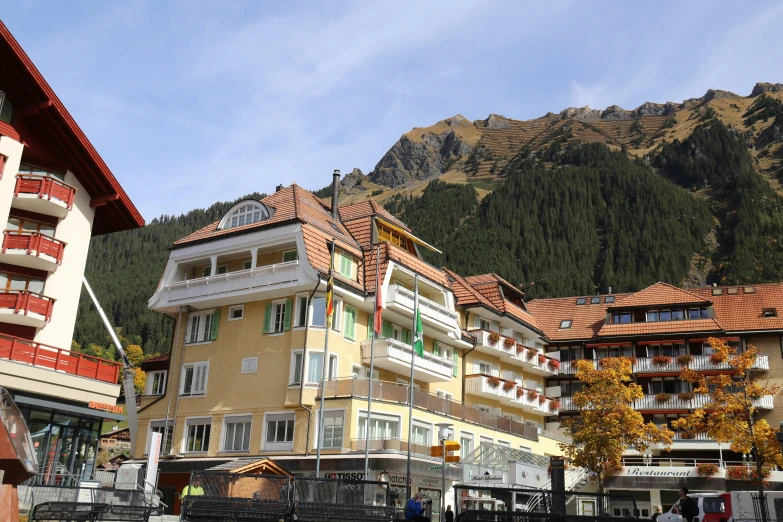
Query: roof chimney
[610, 289]
[335, 192]
[278, 188]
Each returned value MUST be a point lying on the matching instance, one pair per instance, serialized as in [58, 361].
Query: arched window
[245, 213]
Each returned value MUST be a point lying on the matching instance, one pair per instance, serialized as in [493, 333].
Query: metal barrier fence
[320, 499]
[220, 496]
[85, 503]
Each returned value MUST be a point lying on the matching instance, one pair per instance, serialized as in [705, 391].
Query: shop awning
[78, 410]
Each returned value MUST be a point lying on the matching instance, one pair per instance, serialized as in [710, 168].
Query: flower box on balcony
[661, 360]
[532, 395]
[684, 360]
[520, 349]
[531, 354]
[717, 358]
[541, 399]
[493, 382]
[686, 396]
[493, 338]
[706, 470]
[520, 392]
[554, 405]
[508, 343]
[663, 398]
[554, 365]
[542, 359]
[508, 386]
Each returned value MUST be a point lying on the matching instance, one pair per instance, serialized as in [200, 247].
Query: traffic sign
[436, 468]
[436, 451]
[451, 445]
[452, 458]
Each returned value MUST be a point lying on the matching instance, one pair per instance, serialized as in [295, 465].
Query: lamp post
[443, 432]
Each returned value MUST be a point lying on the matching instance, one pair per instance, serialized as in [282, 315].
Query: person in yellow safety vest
[193, 490]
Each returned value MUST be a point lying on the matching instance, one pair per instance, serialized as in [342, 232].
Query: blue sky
[195, 102]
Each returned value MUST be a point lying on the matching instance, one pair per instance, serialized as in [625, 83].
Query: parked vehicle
[735, 506]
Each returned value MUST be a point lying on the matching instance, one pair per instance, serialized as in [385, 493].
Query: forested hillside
[123, 269]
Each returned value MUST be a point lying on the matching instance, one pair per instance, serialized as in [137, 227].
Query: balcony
[389, 445]
[395, 356]
[673, 402]
[535, 402]
[32, 250]
[526, 355]
[25, 308]
[490, 387]
[223, 285]
[397, 394]
[43, 194]
[58, 360]
[402, 300]
[697, 363]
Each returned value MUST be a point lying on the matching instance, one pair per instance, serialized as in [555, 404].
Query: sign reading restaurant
[665, 471]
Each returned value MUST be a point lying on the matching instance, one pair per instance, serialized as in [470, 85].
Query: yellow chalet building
[247, 295]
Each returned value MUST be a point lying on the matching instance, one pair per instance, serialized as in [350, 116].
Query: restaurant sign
[105, 407]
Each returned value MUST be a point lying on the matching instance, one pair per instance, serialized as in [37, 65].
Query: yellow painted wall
[770, 345]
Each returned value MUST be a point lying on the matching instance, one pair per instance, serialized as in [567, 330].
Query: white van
[736, 506]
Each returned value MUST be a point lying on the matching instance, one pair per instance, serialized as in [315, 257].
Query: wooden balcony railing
[24, 302]
[56, 359]
[45, 187]
[34, 243]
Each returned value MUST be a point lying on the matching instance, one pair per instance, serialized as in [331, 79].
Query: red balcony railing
[45, 187]
[43, 356]
[34, 244]
[22, 301]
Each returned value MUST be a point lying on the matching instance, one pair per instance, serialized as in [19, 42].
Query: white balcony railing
[525, 354]
[696, 362]
[482, 385]
[673, 402]
[429, 309]
[395, 356]
[259, 277]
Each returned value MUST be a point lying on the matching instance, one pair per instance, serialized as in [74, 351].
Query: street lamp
[443, 436]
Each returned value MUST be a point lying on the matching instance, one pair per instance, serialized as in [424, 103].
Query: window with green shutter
[345, 266]
[406, 336]
[215, 322]
[456, 362]
[350, 323]
[435, 348]
[388, 330]
[287, 314]
[267, 317]
[291, 255]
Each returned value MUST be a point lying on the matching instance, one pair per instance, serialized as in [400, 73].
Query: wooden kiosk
[17, 457]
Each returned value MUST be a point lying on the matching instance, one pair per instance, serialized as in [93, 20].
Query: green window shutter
[345, 266]
[388, 330]
[406, 336]
[207, 271]
[435, 348]
[370, 326]
[350, 323]
[287, 314]
[215, 322]
[289, 256]
[456, 361]
[267, 317]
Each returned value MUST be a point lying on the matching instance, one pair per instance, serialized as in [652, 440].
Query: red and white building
[55, 194]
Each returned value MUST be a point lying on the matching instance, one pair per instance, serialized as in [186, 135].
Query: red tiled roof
[317, 247]
[369, 208]
[660, 294]
[695, 325]
[159, 358]
[586, 320]
[464, 293]
[743, 311]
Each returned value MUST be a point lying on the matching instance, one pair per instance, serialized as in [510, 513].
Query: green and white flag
[418, 336]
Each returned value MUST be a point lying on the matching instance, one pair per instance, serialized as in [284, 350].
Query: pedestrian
[414, 510]
[449, 514]
[193, 490]
[688, 507]
[657, 511]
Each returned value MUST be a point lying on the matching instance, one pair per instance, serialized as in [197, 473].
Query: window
[581, 300]
[236, 313]
[301, 311]
[665, 315]
[678, 314]
[6, 110]
[337, 315]
[444, 395]
[202, 326]
[714, 505]
[732, 290]
[318, 315]
[595, 300]
[10, 281]
[36, 171]
[621, 318]
[29, 226]
[504, 443]
[484, 368]
[156, 383]
[609, 299]
[295, 375]
[362, 372]
[393, 237]
[206, 271]
[344, 264]
[382, 427]
[277, 316]
[705, 313]
[291, 255]
[165, 436]
[484, 324]
[350, 323]
[694, 313]
[769, 312]
[465, 444]
[250, 365]
[315, 367]
[194, 379]
[747, 289]
[565, 323]
[333, 429]
[247, 214]
[717, 291]
[422, 434]
[222, 269]
[278, 319]
[198, 431]
[237, 433]
[485, 439]
[652, 316]
[279, 431]
[247, 265]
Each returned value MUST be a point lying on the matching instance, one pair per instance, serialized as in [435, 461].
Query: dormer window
[769, 312]
[581, 300]
[595, 300]
[245, 213]
[609, 299]
[621, 318]
[565, 324]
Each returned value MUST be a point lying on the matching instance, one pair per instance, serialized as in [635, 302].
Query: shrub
[554, 365]
[493, 381]
[661, 360]
[686, 396]
[532, 395]
[706, 470]
[494, 338]
[684, 360]
[541, 359]
[508, 386]
[663, 397]
[508, 343]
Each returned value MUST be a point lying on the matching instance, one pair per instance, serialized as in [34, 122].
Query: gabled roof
[744, 310]
[665, 327]
[51, 134]
[586, 320]
[660, 294]
[494, 278]
[366, 209]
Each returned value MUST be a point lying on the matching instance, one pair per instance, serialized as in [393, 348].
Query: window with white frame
[295, 372]
[333, 429]
[222, 269]
[247, 264]
[301, 311]
[250, 365]
[485, 439]
[156, 382]
[197, 433]
[194, 379]
[465, 444]
[504, 443]
[444, 395]
[337, 315]
[315, 361]
[199, 327]
[422, 434]
[382, 427]
[279, 431]
[247, 214]
[206, 271]
[165, 436]
[236, 313]
[318, 313]
[236, 433]
[278, 317]
[362, 372]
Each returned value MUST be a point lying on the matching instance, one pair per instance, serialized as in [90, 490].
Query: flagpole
[325, 363]
[372, 365]
[410, 384]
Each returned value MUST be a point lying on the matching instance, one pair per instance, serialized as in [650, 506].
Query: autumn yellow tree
[139, 379]
[731, 413]
[608, 425]
[135, 354]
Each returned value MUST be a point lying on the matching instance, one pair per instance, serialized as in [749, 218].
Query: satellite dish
[17, 456]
